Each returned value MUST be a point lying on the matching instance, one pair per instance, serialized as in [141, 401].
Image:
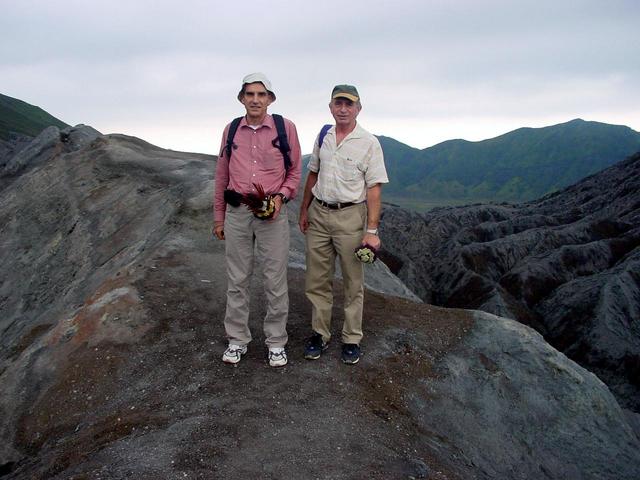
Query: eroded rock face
[566, 264]
[111, 334]
[510, 390]
[11, 146]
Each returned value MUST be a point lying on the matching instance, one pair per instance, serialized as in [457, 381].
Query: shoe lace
[234, 351]
[275, 355]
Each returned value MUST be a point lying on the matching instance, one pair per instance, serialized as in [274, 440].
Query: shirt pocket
[271, 159]
[347, 168]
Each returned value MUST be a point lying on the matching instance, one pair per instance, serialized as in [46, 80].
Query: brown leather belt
[335, 206]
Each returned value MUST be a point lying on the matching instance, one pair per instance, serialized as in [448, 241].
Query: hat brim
[348, 96]
[271, 94]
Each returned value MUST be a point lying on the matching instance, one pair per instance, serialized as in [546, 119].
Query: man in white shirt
[340, 212]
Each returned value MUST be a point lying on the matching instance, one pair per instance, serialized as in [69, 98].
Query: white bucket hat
[258, 77]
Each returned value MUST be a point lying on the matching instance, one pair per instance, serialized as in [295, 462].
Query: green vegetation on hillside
[518, 166]
[21, 117]
[421, 206]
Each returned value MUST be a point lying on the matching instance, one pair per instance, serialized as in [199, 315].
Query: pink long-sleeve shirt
[257, 161]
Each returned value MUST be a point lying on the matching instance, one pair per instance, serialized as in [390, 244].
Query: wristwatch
[372, 231]
[283, 197]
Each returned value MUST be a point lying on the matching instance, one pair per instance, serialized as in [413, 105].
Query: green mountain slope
[21, 117]
[520, 165]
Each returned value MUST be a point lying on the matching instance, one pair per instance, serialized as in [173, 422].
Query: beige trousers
[331, 233]
[247, 237]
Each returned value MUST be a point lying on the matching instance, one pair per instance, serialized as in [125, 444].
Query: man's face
[256, 100]
[344, 111]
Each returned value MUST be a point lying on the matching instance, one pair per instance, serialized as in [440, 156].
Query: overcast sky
[427, 71]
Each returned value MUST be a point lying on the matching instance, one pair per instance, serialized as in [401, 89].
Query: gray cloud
[426, 70]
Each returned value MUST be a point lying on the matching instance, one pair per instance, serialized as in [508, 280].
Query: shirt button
[254, 146]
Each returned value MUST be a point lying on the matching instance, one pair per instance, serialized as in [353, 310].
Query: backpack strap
[323, 133]
[233, 128]
[282, 142]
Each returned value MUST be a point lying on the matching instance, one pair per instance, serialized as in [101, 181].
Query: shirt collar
[266, 122]
[357, 132]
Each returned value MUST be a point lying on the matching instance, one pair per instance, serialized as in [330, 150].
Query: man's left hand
[278, 202]
[371, 239]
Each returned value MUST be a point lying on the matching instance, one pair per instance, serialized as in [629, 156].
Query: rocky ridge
[111, 311]
[566, 264]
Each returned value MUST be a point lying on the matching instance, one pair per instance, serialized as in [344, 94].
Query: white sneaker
[233, 353]
[277, 357]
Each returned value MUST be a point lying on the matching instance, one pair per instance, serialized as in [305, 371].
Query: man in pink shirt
[256, 163]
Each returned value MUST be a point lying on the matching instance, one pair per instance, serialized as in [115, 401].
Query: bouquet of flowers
[366, 253]
[261, 204]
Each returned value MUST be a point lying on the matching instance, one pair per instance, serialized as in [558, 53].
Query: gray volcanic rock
[111, 312]
[10, 147]
[566, 264]
[502, 364]
[50, 142]
[634, 421]
[40, 147]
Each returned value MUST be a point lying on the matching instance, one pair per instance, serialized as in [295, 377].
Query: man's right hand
[218, 231]
[303, 221]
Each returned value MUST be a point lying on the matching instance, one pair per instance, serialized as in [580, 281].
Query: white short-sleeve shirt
[345, 171]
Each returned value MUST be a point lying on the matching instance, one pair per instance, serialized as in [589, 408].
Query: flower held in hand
[366, 253]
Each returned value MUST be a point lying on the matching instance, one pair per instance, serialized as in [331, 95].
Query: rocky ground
[567, 265]
[111, 311]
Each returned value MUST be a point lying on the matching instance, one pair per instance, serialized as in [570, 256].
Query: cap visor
[348, 96]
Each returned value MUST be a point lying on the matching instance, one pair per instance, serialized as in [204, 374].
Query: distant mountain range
[520, 165]
[20, 117]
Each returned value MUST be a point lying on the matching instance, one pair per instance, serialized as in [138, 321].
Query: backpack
[281, 143]
[323, 133]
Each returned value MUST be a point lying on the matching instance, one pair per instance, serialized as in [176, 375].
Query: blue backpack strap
[282, 142]
[233, 128]
[323, 133]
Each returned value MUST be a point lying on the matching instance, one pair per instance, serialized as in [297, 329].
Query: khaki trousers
[246, 236]
[334, 232]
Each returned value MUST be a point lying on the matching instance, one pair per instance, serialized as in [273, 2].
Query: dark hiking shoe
[314, 347]
[350, 353]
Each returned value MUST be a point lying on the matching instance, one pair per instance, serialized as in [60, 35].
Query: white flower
[365, 254]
